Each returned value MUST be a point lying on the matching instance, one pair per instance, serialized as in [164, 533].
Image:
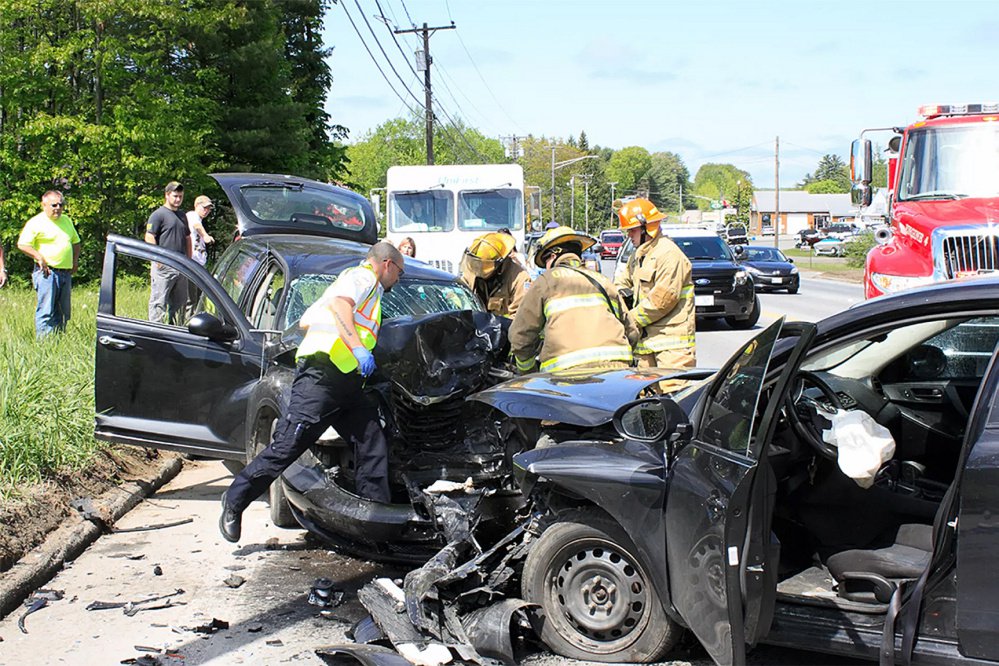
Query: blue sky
[713, 80]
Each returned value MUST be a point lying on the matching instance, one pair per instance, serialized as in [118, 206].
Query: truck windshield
[490, 210]
[950, 162]
[432, 210]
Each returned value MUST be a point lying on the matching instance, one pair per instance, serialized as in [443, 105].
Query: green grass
[805, 259]
[46, 390]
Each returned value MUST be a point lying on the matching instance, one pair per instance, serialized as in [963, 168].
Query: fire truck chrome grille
[970, 255]
[442, 264]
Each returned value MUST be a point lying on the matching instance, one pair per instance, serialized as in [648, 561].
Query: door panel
[978, 527]
[159, 385]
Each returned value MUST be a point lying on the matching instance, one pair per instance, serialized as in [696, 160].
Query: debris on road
[130, 608]
[157, 570]
[234, 581]
[147, 528]
[37, 601]
[208, 628]
[324, 595]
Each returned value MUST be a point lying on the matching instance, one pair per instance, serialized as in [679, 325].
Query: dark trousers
[321, 396]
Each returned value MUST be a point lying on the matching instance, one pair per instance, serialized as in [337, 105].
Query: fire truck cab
[943, 181]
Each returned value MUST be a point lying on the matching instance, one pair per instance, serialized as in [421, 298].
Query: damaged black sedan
[831, 488]
[217, 385]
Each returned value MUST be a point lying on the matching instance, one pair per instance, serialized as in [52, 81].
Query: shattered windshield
[414, 212]
[408, 297]
[490, 210]
[950, 163]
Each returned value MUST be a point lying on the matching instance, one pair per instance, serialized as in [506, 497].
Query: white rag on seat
[864, 445]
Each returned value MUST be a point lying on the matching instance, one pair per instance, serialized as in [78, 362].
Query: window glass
[238, 274]
[415, 212]
[490, 210]
[304, 208]
[703, 247]
[962, 352]
[763, 254]
[958, 161]
[731, 410]
[263, 311]
[408, 297]
[133, 288]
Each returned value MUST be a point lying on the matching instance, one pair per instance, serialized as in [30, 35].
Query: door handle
[115, 343]
[927, 393]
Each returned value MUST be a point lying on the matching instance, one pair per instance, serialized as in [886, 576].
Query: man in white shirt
[203, 207]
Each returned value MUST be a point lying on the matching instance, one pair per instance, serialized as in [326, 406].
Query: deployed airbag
[863, 445]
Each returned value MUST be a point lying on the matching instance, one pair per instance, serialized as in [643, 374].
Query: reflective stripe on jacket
[323, 336]
[567, 322]
[659, 274]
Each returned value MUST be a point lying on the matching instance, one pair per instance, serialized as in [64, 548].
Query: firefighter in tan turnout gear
[570, 317]
[659, 275]
[495, 276]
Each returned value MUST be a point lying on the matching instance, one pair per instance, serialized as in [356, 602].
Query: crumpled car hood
[433, 357]
[585, 398]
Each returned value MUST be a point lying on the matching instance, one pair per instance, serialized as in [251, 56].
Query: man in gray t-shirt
[168, 228]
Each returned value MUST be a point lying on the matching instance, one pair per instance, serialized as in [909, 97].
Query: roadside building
[799, 210]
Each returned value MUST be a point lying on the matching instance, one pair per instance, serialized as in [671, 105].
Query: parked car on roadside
[610, 241]
[727, 509]
[771, 269]
[808, 238]
[216, 386]
[830, 247]
[735, 234]
[841, 231]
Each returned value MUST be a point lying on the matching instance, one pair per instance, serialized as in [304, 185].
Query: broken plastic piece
[147, 528]
[366, 655]
[324, 595]
[491, 629]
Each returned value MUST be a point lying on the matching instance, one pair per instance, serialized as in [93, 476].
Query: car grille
[442, 264]
[970, 254]
[713, 284]
[428, 427]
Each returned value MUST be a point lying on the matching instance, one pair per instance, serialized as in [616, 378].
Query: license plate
[776, 280]
[704, 300]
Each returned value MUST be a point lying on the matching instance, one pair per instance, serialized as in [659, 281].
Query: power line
[460, 133]
[380, 48]
[737, 150]
[378, 66]
[499, 104]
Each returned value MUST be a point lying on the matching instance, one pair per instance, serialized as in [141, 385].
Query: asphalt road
[267, 615]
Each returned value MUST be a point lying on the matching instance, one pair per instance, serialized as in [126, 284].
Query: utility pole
[612, 186]
[776, 224]
[572, 203]
[552, 146]
[423, 64]
[512, 145]
[586, 201]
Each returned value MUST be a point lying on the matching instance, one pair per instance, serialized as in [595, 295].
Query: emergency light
[933, 110]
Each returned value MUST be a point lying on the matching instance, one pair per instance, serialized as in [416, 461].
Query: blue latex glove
[365, 361]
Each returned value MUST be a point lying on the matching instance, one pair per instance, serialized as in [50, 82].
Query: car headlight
[889, 283]
[741, 277]
[754, 270]
[794, 271]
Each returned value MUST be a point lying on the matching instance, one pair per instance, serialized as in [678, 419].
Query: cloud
[604, 59]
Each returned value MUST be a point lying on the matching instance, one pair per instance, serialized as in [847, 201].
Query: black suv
[722, 288]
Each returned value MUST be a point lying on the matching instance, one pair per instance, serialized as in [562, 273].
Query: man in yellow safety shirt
[573, 317]
[496, 277]
[334, 359]
[659, 275]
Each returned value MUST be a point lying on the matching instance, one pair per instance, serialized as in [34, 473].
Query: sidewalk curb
[66, 542]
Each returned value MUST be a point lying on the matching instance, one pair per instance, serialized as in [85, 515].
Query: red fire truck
[943, 180]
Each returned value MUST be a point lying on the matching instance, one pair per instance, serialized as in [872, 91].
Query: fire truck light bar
[933, 110]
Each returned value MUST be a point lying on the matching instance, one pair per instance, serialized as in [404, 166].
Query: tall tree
[629, 167]
[832, 171]
[669, 178]
[717, 182]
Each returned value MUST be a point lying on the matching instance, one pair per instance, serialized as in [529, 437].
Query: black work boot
[229, 522]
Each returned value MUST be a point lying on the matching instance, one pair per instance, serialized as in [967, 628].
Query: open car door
[721, 556]
[167, 386]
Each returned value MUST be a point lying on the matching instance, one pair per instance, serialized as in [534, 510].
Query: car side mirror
[211, 327]
[790, 260]
[738, 251]
[597, 247]
[643, 421]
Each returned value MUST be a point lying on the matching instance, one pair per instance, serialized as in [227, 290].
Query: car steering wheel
[801, 409]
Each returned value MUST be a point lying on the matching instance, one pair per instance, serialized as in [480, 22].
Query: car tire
[281, 515]
[747, 322]
[793, 289]
[585, 561]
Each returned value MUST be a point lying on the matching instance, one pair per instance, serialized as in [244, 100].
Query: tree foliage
[110, 99]
[832, 172]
